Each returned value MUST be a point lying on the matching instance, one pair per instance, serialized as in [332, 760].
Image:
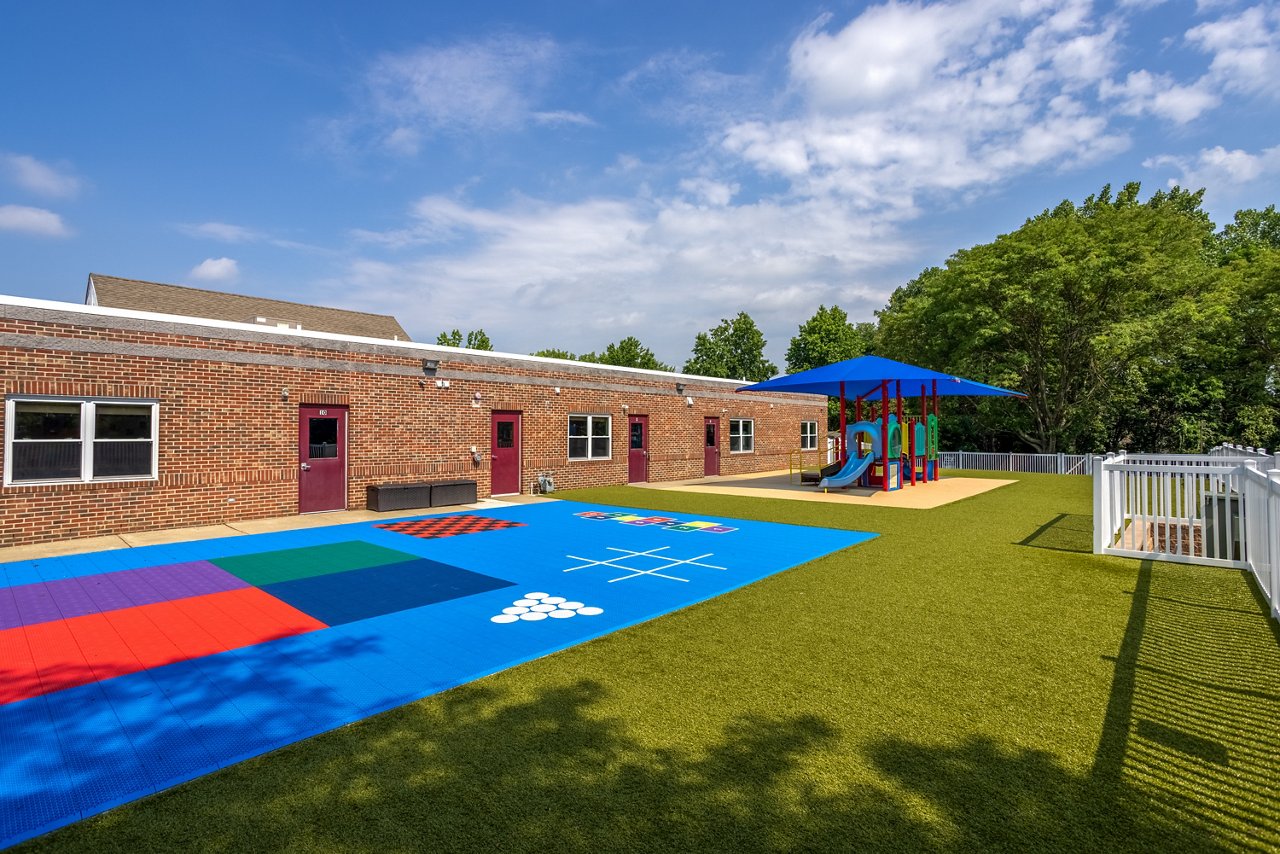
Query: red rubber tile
[57, 656]
[212, 615]
[18, 676]
[62, 654]
[141, 634]
[265, 616]
[103, 648]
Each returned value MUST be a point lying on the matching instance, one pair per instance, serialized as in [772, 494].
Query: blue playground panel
[453, 599]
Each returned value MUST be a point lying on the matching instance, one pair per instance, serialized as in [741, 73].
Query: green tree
[1095, 311]
[734, 349]
[826, 338]
[554, 353]
[475, 339]
[630, 353]
[1251, 232]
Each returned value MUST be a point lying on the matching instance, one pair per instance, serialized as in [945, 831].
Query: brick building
[119, 420]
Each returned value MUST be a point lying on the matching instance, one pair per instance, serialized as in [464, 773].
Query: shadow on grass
[1192, 721]
[483, 771]
[1066, 532]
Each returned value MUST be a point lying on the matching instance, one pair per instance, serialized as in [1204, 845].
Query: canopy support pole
[924, 419]
[844, 442]
[884, 435]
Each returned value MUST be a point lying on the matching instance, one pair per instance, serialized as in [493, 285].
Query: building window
[58, 440]
[742, 435]
[589, 437]
[808, 435]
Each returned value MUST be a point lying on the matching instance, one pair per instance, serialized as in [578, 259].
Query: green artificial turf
[972, 680]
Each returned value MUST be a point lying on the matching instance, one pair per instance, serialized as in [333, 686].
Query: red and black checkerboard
[450, 526]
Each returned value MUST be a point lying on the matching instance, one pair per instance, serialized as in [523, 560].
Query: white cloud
[909, 100]
[497, 84]
[1245, 49]
[223, 231]
[1219, 168]
[216, 270]
[36, 221]
[40, 178]
[582, 274]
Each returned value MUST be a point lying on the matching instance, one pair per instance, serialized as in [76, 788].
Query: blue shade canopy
[862, 378]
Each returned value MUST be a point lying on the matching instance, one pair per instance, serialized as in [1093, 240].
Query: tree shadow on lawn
[483, 771]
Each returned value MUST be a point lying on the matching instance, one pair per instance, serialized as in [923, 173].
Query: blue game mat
[447, 600]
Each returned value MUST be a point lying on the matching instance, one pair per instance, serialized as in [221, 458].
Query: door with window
[322, 458]
[711, 449]
[504, 453]
[638, 449]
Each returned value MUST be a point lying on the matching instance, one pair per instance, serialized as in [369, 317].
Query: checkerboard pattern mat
[450, 526]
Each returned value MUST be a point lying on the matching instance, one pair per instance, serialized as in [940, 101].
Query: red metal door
[322, 458]
[504, 453]
[711, 451]
[638, 449]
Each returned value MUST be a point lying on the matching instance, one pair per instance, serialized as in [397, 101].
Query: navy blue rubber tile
[105, 771]
[35, 792]
[167, 748]
[345, 597]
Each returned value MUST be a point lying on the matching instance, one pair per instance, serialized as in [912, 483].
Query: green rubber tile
[291, 564]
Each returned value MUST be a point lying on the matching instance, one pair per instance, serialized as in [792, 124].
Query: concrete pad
[230, 529]
[924, 496]
[177, 535]
[66, 547]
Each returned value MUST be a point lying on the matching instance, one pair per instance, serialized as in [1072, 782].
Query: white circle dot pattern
[533, 607]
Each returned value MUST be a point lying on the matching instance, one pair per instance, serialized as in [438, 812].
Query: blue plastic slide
[854, 468]
[850, 473]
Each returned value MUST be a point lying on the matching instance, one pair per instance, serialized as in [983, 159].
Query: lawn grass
[972, 680]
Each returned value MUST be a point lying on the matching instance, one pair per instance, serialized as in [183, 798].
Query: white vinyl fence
[1210, 509]
[1032, 463]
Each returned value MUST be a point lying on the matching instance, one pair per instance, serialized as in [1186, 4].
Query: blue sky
[566, 174]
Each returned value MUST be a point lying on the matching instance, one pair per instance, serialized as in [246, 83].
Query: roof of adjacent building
[114, 292]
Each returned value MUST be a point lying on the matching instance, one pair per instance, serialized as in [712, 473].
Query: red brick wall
[228, 438]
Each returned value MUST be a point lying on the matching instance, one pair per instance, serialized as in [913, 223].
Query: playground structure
[888, 449]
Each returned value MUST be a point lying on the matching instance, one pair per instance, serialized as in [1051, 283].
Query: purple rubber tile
[198, 578]
[70, 598]
[35, 605]
[9, 618]
[136, 585]
[103, 591]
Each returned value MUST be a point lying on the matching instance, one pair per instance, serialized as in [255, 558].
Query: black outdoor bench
[406, 496]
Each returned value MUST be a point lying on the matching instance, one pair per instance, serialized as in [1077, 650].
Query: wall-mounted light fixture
[284, 394]
[680, 388]
[688, 401]
[430, 366]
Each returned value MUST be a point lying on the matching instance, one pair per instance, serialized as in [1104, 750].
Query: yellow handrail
[796, 466]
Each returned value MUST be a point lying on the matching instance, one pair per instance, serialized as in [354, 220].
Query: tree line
[1129, 323]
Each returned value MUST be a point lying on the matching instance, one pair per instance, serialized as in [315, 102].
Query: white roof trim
[411, 346]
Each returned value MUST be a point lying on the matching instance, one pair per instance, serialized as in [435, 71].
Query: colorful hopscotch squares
[665, 522]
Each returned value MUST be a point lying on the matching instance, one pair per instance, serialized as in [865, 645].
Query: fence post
[1101, 510]
[1062, 463]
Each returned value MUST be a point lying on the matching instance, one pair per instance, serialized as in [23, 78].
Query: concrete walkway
[235, 529]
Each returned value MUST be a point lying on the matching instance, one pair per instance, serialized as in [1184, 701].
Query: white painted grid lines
[635, 572]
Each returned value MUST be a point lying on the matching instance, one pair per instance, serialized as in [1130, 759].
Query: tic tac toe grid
[125, 672]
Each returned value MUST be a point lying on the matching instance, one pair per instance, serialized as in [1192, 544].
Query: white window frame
[88, 423]
[591, 417]
[749, 434]
[808, 435]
